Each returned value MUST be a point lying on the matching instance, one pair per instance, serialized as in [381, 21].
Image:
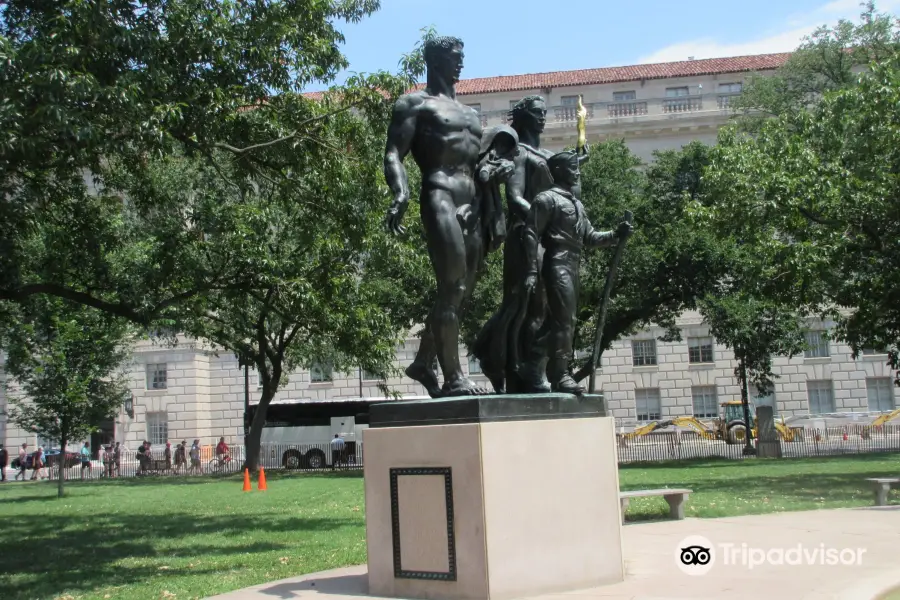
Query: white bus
[297, 435]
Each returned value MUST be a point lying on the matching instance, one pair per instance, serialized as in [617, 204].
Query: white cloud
[783, 40]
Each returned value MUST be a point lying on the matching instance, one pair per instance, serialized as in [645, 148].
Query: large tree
[305, 236]
[828, 60]
[66, 364]
[815, 194]
[756, 330]
[92, 89]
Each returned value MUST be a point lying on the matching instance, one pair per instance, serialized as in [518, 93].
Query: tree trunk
[745, 404]
[256, 426]
[585, 370]
[61, 465]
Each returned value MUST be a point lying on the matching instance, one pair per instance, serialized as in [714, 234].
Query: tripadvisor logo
[696, 555]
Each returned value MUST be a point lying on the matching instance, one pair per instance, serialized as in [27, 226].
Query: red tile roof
[686, 68]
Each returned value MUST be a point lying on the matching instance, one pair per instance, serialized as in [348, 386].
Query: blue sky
[509, 37]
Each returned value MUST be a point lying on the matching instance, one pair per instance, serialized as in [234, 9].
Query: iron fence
[655, 446]
[829, 441]
[305, 457]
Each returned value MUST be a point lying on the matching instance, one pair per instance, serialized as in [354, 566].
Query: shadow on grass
[17, 499]
[752, 462]
[86, 552]
[754, 486]
[188, 480]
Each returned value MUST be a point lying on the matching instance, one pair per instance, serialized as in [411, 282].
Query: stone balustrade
[613, 113]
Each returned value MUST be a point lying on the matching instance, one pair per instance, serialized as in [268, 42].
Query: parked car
[51, 458]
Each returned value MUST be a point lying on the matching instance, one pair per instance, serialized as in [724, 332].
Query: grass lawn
[190, 538]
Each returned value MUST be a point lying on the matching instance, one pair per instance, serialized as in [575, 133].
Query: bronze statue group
[527, 345]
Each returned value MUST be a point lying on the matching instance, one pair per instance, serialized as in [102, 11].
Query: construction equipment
[729, 427]
[866, 432]
[732, 428]
[691, 422]
[885, 418]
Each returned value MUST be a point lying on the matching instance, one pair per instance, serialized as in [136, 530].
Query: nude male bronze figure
[444, 137]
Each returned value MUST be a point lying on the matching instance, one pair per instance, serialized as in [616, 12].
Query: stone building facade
[188, 391]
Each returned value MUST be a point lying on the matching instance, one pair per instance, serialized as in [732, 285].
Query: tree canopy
[95, 93]
[669, 263]
[814, 194]
[829, 59]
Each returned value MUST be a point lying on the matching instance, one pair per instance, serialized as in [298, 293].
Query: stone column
[769, 442]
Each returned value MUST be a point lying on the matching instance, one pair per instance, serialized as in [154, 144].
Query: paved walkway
[653, 574]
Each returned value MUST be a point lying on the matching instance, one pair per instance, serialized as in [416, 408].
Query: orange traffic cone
[247, 487]
[262, 480]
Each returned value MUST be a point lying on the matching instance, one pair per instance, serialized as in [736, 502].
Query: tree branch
[241, 151]
[120, 309]
[817, 219]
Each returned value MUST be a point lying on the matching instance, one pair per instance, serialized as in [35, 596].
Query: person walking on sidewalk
[4, 461]
[117, 457]
[37, 465]
[23, 462]
[85, 459]
[337, 451]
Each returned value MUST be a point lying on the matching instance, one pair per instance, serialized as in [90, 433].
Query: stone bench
[675, 497]
[882, 487]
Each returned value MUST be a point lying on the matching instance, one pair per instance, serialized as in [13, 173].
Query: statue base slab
[488, 504]
[486, 409]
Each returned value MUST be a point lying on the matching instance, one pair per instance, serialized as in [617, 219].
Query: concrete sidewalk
[653, 573]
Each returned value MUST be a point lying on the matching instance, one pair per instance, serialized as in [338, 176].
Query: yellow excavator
[733, 430]
[691, 422]
[881, 420]
[729, 427]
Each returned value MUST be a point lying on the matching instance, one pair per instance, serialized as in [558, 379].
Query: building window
[624, 96]
[474, 366]
[512, 103]
[321, 372]
[704, 399]
[881, 394]
[643, 353]
[700, 349]
[817, 344]
[648, 405]
[677, 92]
[157, 376]
[475, 107]
[367, 376]
[821, 396]
[731, 88]
[569, 101]
[759, 399]
[157, 428]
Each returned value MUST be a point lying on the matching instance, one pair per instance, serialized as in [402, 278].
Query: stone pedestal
[768, 444]
[492, 497]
